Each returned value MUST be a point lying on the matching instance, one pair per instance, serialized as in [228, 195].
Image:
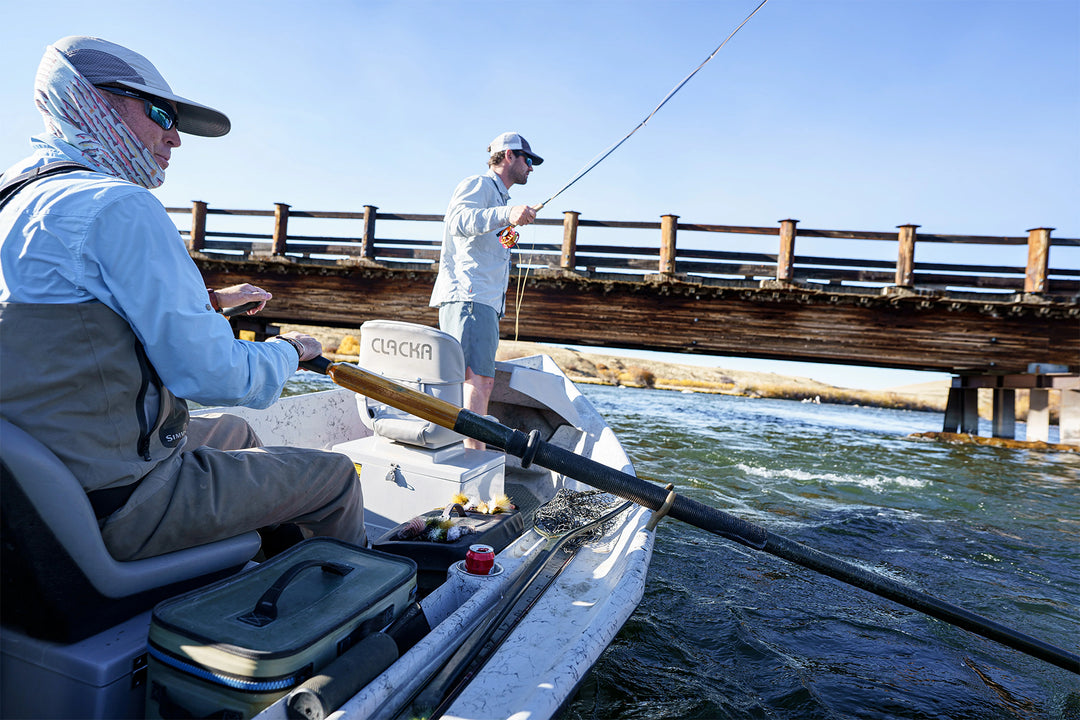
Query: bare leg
[476, 394]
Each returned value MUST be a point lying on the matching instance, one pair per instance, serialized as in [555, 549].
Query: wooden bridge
[645, 285]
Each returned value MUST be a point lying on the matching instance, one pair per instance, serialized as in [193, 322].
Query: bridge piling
[961, 411]
[1069, 423]
[1038, 418]
[1004, 417]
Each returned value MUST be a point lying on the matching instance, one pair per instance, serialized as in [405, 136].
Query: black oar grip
[241, 309]
[320, 365]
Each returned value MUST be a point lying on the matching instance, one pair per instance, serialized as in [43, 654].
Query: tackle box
[434, 557]
[236, 646]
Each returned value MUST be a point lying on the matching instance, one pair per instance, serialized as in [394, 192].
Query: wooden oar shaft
[379, 388]
[534, 450]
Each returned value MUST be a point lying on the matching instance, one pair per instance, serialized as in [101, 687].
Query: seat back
[59, 581]
[417, 356]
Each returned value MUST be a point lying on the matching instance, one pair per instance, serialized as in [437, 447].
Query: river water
[728, 632]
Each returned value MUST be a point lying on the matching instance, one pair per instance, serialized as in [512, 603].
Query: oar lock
[659, 514]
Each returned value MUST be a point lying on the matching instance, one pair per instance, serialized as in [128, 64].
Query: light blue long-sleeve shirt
[83, 237]
[473, 265]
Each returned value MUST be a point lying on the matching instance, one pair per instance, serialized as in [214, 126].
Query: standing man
[474, 265]
[97, 287]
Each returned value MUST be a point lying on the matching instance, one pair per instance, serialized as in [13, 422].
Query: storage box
[402, 481]
[234, 647]
[103, 676]
[434, 558]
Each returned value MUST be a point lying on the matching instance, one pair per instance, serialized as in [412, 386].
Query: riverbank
[607, 369]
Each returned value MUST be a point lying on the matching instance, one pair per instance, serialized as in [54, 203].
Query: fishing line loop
[663, 102]
[509, 236]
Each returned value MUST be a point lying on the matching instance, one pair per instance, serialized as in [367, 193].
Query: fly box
[436, 542]
[234, 647]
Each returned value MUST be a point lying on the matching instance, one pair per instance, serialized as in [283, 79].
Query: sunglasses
[528, 160]
[158, 111]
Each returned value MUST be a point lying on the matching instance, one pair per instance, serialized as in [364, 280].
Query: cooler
[235, 647]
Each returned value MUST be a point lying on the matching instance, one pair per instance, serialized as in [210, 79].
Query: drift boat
[514, 640]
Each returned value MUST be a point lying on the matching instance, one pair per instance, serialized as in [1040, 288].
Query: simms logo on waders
[404, 348]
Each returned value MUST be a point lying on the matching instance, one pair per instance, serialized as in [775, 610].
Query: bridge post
[1038, 417]
[197, 236]
[1038, 260]
[785, 258]
[905, 260]
[668, 225]
[367, 241]
[568, 261]
[962, 409]
[1004, 422]
[281, 228]
[1069, 422]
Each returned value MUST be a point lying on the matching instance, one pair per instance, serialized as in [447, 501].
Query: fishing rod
[508, 236]
[531, 449]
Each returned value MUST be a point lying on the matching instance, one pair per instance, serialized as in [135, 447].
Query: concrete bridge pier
[962, 414]
[962, 409]
[1070, 417]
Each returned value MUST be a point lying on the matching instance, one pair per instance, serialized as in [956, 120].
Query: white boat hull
[542, 661]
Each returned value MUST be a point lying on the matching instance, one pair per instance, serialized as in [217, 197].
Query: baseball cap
[105, 63]
[513, 141]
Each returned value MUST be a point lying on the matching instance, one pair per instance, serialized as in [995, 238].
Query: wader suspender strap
[104, 502]
[18, 182]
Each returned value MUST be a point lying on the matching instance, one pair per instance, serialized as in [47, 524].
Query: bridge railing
[653, 248]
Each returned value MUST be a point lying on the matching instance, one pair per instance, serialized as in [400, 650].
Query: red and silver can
[480, 559]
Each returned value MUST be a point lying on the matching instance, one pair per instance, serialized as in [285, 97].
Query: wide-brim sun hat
[104, 63]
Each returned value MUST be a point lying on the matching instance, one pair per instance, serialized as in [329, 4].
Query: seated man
[106, 326]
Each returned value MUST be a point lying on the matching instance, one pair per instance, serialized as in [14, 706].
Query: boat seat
[417, 356]
[59, 581]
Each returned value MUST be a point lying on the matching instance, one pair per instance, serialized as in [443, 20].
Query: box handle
[265, 611]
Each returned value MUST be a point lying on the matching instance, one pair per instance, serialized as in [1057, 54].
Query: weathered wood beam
[825, 324]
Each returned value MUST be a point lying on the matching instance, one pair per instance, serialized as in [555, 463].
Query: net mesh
[570, 510]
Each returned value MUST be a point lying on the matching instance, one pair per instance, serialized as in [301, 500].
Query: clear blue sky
[962, 116]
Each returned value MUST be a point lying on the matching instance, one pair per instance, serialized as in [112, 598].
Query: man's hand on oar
[531, 449]
[237, 299]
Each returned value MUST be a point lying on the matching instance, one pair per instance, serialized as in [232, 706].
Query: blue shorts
[476, 326]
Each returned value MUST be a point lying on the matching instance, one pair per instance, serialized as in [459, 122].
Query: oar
[531, 449]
